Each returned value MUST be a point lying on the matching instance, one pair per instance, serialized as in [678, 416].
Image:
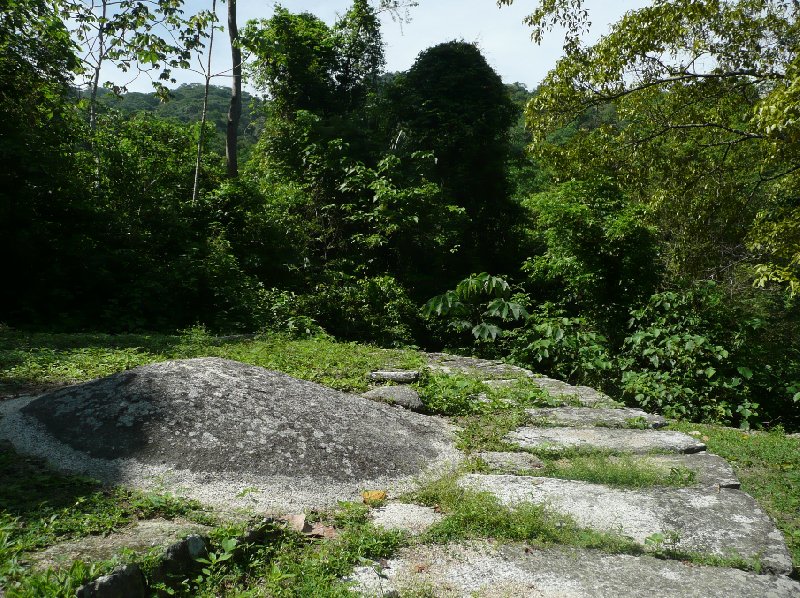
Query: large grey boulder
[520, 571]
[228, 432]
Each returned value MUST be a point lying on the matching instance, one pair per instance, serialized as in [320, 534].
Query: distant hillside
[186, 105]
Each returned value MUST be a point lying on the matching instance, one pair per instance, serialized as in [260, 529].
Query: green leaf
[484, 331]
[746, 373]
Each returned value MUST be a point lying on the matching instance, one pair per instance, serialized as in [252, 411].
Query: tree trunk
[201, 135]
[235, 110]
[101, 50]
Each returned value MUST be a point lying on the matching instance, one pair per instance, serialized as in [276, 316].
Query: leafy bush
[375, 309]
[564, 347]
[599, 256]
[684, 355]
[481, 304]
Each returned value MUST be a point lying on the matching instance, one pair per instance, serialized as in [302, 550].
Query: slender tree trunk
[201, 136]
[101, 50]
[235, 110]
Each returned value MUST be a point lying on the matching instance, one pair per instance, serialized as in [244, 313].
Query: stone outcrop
[518, 571]
[213, 427]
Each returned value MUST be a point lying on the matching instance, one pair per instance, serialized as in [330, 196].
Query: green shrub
[481, 304]
[685, 358]
[376, 309]
[564, 347]
[599, 256]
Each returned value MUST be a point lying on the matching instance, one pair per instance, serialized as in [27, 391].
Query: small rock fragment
[404, 396]
[297, 522]
[399, 376]
[123, 582]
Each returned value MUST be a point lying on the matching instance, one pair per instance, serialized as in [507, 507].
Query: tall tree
[207, 85]
[452, 103]
[235, 110]
[136, 36]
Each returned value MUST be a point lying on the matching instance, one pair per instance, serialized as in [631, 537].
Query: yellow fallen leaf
[373, 497]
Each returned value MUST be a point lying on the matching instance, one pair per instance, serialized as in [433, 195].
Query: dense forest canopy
[633, 223]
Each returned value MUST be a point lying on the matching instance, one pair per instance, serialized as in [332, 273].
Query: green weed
[624, 471]
[40, 507]
[38, 360]
[464, 394]
[470, 514]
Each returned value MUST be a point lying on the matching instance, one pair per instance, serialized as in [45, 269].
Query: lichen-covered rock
[722, 522]
[504, 462]
[622, 417]
[402, 396]
[414, 519]
[139, 538]
[226, 432]
[510, 570]
[123, 582]
[398, 376]
[615, 439]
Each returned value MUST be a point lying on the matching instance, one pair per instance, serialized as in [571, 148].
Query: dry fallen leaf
[319, 530]
[421, 567]
[373, 497]
[297, 522]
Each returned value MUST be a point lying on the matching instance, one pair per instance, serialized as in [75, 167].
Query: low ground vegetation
[42, 507]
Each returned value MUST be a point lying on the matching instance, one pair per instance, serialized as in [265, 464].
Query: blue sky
[499, 32]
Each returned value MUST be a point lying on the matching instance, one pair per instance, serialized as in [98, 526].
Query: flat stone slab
[623, 417]
[488, 368]
[499, 373]
[403, 396]
[228, 433]
[582, 395]
[710, 470]
[414, 519]
[139, 538]
[518, 571]
[510, 462]
[399, 376]
[721, 522]
[615, 439]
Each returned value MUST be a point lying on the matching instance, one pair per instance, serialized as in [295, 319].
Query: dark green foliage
[599, 258]
[566, 348]
[701, 355]
[38, 135]
[375, 309]
[481, 304]
[296, 56]
[453, 104]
